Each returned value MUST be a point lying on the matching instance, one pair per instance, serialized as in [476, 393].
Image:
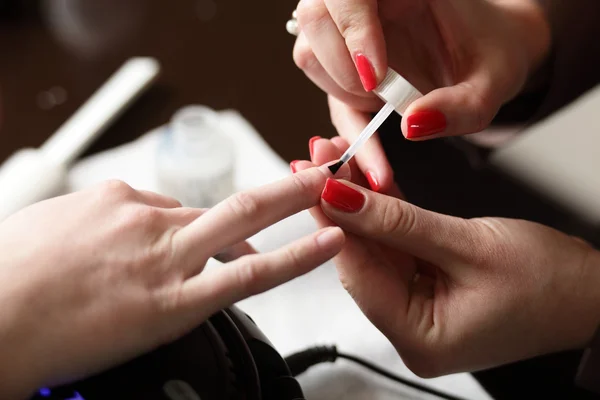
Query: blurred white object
[32, 175]
[560, 157]
[311, 310]
[195, 159]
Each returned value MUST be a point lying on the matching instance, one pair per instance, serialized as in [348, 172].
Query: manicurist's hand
[468, 57]
[454, 294]
[97, 277]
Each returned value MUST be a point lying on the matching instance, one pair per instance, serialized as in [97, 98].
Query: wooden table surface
[221, 53]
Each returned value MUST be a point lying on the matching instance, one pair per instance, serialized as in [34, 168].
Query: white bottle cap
[396, 90]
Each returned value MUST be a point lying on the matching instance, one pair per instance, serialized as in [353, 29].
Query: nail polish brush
[398, 94]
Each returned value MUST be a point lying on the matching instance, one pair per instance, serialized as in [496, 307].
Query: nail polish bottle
[195, 159]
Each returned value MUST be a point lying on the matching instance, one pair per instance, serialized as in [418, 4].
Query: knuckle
[349, 22]
[116, 189]
[311, 11]
[292, 258]
[397, 218]
[247, 275]
[244, 204]
[482, 106]
[304, 58]
[304, 185]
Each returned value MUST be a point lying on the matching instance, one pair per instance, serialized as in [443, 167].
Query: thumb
[467, 107]
[436, 238]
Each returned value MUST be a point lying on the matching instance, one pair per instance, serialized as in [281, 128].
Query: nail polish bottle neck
[195, 131]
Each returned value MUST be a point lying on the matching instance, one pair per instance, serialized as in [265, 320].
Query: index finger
[359, 24]
[371, 158]
[247, 213]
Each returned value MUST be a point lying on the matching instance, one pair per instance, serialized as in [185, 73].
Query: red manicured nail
[365, 72]
[311, 145]
[293, 166]
[373, 181]
[342, 197]
[425, 123]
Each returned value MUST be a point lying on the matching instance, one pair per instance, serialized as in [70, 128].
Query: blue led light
[76, 396]
[45, 392]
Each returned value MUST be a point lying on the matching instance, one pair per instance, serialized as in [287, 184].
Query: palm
[395, 277]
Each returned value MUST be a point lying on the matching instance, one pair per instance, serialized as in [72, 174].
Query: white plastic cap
[396, 90]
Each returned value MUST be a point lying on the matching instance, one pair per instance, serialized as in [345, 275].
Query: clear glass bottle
[195, 159]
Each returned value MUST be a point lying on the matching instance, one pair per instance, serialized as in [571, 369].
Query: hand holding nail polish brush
[398, 94]
[394, 90]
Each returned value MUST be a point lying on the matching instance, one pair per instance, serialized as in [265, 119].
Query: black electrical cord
[303, 360]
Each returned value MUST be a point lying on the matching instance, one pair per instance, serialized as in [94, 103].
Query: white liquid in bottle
[195, 161]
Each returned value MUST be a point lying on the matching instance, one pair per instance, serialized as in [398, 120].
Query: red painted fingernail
[311, 145]
[342, 197]
[365, 72]
[373, 182]
[425, 123]
[293, 166]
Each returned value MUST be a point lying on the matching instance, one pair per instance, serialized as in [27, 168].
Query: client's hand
[459, 295]
[97, 277]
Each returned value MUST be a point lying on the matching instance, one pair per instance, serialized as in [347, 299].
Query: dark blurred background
[221, 53]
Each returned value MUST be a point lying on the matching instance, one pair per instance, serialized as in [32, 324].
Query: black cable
[303, 360]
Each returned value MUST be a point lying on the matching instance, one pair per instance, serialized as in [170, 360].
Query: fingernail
[365, 72]
[311, 145]
[329, 237]
[373, 182]
[293, 166]
[342, 197]
[425, 123]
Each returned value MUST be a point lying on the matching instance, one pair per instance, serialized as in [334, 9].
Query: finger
[357, 176]
[246, 213]
[251, 275]
[236, 251]
[320, 218]
[465, 108]
[371, 158]
[157, 200]
[183, 216]
[325, 151]
[437, 238]
[359, 24]
[305, 59]
[328, 45]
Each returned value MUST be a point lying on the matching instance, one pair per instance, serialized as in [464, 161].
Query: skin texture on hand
[455, 295]
[468, 57]
[98, 277]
